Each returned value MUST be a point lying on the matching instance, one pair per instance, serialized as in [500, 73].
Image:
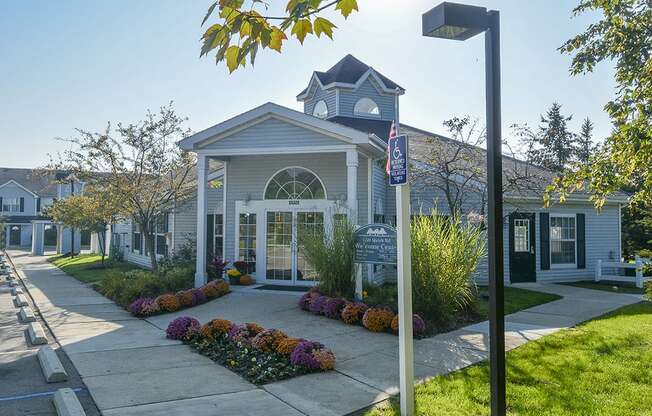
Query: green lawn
[608, 287]
[517, 299]
[601, 368]
[88, 268]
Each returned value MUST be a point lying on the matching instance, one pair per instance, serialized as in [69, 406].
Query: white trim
[620, 232]
[275, 150]
[224, 221]
[337, 101]
[20, 186]
[369, 73]
[346, 134]
[610, 200]
[370, 189]
[294, 167]
[562, 265]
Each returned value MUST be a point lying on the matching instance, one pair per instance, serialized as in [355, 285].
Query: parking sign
[398, 160]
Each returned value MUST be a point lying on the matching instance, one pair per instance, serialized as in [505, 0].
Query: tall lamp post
[460, 22]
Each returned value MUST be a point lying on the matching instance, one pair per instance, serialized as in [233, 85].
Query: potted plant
[216, 268]
[234, 276]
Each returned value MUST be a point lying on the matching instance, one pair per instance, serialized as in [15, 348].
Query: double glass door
[285, 230]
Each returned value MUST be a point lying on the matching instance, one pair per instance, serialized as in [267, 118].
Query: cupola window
[320, 110]
[366, 107]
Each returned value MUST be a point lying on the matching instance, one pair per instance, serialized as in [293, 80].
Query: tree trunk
[101, 240]
[149, 241]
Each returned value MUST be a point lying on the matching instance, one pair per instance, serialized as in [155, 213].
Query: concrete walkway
[130, 368]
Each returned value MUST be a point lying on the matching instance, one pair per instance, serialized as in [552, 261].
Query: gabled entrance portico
[285, 174]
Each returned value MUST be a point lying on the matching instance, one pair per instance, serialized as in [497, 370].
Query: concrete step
[67, 403]
[27, 314]
[20, 300]
[36, 334]
[51, 365]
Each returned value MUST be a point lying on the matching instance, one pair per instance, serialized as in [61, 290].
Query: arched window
[366, 107]
[295, 183]
[320, 110]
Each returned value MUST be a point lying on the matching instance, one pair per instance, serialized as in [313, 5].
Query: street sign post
[398, 177]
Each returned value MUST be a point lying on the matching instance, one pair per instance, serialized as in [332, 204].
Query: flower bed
[172, 302]
[257, 354]
[375, 319]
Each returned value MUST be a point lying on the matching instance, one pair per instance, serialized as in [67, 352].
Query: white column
[352, 184]
[38, 229]
[202, 208]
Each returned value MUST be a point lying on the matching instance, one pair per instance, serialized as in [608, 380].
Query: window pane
[562, 240]
[247, 243]
[295, 183]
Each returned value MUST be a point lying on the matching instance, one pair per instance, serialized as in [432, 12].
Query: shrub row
[375, 319]
[259, 355]
[172, 302]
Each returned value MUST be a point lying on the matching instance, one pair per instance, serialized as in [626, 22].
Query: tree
[456, 167]
[585, 145]
[138, 166]
[241, 31]
[622, 37]
[93, 211]
[554, 145]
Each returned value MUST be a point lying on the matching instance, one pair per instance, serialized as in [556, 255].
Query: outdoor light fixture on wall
[460, 22]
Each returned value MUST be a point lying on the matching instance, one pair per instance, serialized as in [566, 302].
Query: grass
[608, 287]
[87, 268]
[516, 299]
[601, 368]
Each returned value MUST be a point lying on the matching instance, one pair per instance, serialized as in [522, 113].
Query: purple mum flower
[179, 328]
[302, 355]
[418, 325]
[136, 306]
[333, 307]
[304, 301]
[317, 305]
[198, 296]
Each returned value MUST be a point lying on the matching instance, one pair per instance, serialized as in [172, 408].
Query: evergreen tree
[554, 146]
[585, 146]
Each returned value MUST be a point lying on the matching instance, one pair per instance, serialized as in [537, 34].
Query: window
[137, 237]
[160, 235]
[366, 107]
[10, 205]
[295, 183]
[320, 110]
[218, 234]
[247, 241]
[521, 235]
[562, 239]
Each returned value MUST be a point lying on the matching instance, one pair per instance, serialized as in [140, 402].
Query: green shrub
[330, 252]
[381, 295]
[112, 286]
[445, 254]
[648, 290]
[178, 278]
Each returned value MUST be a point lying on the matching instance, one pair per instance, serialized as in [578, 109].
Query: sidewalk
[130, 368]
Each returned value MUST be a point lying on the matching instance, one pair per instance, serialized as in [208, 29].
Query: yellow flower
[364, 294]
[233, 273]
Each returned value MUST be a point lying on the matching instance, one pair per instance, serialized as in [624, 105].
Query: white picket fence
[638, 279]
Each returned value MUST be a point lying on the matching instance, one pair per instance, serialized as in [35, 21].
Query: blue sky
[79, 64]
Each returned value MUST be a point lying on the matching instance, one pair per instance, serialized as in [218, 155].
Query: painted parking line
[41, 394]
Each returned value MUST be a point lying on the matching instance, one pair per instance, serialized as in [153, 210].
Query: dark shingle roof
[42, 184]
[349, 70]
[378, 127]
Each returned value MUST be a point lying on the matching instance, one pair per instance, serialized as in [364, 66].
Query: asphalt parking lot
[23, 389]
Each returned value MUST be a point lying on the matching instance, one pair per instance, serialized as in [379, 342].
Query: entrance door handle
[531, 249]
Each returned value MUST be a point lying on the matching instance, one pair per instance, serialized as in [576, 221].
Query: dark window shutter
[511, 234]
[210, 235]
[22, 204]
[581, 242]
[38, 204]
[1, 204]
[544, 233]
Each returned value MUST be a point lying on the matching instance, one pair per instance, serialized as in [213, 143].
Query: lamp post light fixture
[460, 22]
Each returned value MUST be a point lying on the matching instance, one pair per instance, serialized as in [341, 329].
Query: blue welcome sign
[375, 244]
[398, 161]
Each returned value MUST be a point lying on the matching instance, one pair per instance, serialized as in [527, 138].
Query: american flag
[392, 134]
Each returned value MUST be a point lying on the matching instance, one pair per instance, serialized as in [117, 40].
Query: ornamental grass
[378, 319]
